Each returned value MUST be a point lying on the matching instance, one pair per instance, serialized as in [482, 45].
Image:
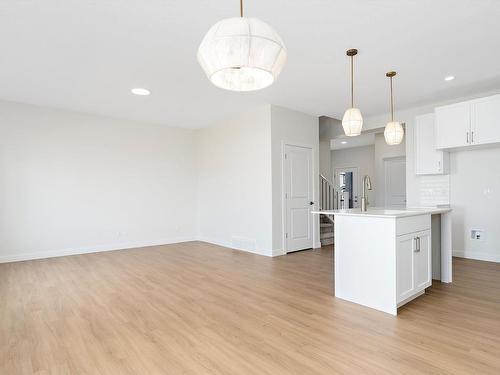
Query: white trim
[317, 245]
[91, 249]
[488, 257]
[283, 202]
[405, 301]
[278, 252]
[356, 169]
[230, 246]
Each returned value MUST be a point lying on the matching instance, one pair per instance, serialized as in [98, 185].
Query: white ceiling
[87, 54]
[343, 142]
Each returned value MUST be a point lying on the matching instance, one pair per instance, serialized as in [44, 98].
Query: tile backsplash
[434, 190]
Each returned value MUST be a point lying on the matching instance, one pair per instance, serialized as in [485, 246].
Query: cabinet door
[404, 266]
[422, 260]
[428, 160]
[486, 120]
[453, 125]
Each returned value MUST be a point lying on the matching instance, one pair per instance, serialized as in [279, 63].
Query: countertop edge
[418, 212]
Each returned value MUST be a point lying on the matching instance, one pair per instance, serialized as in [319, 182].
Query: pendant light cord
[392, 104]
[241, 8]
[352, 81]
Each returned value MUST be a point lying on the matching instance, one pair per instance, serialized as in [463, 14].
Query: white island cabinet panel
[365, 270]
[422, 258]
[413, 265]
[383, 257]
[404, 267]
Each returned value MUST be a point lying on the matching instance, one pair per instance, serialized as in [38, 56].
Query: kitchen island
[385, 258]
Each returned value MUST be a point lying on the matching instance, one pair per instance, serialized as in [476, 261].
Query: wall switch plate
[476, 234]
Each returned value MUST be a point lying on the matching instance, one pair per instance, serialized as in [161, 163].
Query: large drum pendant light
[394, 131]
[352, 122]
[242, 54]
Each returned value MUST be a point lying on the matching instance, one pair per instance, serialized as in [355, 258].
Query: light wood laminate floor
[195, 308]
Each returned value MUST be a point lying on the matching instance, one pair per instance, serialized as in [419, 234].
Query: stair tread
[327, 241]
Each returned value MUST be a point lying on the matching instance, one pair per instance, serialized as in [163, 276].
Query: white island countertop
[387, 212]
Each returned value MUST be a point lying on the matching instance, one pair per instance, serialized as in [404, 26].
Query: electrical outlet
[476, 234]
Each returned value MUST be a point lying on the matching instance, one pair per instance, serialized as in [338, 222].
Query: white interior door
[395, 182]
[298, 189]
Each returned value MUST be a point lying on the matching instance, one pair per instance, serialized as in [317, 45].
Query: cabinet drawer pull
[417, 244]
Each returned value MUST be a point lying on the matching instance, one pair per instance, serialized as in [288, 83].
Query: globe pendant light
[352, 122]
[394, 131]
[242, 54]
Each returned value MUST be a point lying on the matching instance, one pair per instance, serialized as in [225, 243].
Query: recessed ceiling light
[344, 142]
[140, 91]
[449, 78]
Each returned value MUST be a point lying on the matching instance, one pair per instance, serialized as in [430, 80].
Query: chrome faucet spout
[367, 184]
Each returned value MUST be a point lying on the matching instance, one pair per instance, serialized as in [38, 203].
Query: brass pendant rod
[241, 8]
[351, 53]
[352, 81]
[391, 75]
[392, 104]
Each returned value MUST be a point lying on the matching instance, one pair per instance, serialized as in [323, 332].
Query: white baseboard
[90, 249]
[127, 245]
[278, 252]
[317, 245]
[477, 255]
[229, 245]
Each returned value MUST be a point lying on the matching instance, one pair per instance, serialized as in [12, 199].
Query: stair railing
[327, 194]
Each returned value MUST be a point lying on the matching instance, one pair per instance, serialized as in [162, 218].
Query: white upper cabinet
[485, 121]
[428, 160]
[471, 123]
[453, 125]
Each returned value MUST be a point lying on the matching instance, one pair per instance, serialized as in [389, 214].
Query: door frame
[393, 158]
[284, 223]
[355, 180]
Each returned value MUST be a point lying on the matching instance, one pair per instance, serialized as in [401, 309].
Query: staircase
[327, 202]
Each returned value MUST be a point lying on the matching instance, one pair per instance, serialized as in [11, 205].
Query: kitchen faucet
[367, 184]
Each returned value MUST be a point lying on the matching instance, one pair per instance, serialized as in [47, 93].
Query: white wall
[240, 177]
[73, 183]
[363, 158]
[296, 128]
[325, 164]
[234, 182]
[475, 199]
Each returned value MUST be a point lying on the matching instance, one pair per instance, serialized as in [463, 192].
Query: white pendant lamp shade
[352, 122]
[394, 133]
[242, 54]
